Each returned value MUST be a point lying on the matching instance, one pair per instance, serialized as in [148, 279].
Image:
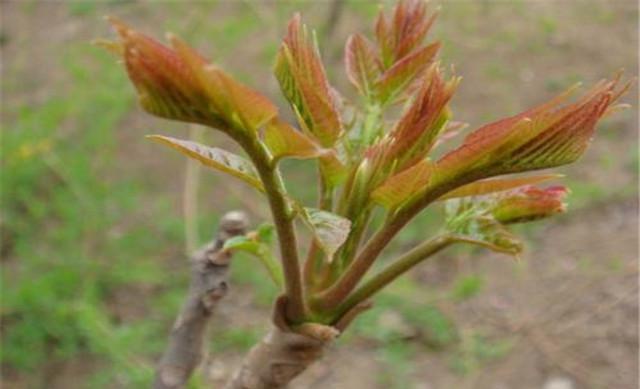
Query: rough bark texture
[285, 352]
[208, 285]
[276, 360]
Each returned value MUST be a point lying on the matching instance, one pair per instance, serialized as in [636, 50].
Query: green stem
[372, 125]
[394, 270]
[353, 203]
[272, 267]
[348, 250]
[283, 219]
[312, 266]
[356, 207]
[313, 263]
[336, 294]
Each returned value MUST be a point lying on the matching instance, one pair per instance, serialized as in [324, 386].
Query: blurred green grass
[70, 228]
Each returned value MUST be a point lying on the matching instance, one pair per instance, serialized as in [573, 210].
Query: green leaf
[259, 249]
[216, 158]
[332, 169]
[470, 222]
[425, 119]
[265, 232]
[361, 64]
[329, 230]
[397, 79]
[490, 234]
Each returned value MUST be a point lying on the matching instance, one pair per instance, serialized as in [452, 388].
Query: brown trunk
[283, 354]
[276, 360]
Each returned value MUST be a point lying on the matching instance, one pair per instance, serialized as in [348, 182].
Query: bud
[425, 119]
[545, 136]
[303, 82]
[166, 87]
[178, 83]
[362, 64]
[530, 203]
[404, 31]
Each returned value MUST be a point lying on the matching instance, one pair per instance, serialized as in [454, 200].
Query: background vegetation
[93, 242]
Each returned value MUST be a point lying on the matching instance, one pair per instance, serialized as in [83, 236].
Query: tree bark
[276, 360]
[285, 352]
[209, 273]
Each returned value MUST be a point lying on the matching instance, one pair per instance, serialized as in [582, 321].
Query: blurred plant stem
[190, 194]
[334, 15]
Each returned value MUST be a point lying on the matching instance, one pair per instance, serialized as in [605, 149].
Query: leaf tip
[119, 26]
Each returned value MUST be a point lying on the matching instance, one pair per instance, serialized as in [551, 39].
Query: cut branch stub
[208, 285]
[276, 360]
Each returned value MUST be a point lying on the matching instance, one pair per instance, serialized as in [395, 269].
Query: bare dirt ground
[569, 308]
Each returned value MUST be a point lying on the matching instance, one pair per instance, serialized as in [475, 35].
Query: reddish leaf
[426, 118]
[384, 39]
[304, 83]
[165, 86]
[178, 83]
[498, 185]
[530, 203]
[403, 73]
[285, 141]
[243, 106]
[404, 32]
[401, 187]
[543, 137]
[361, 64]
